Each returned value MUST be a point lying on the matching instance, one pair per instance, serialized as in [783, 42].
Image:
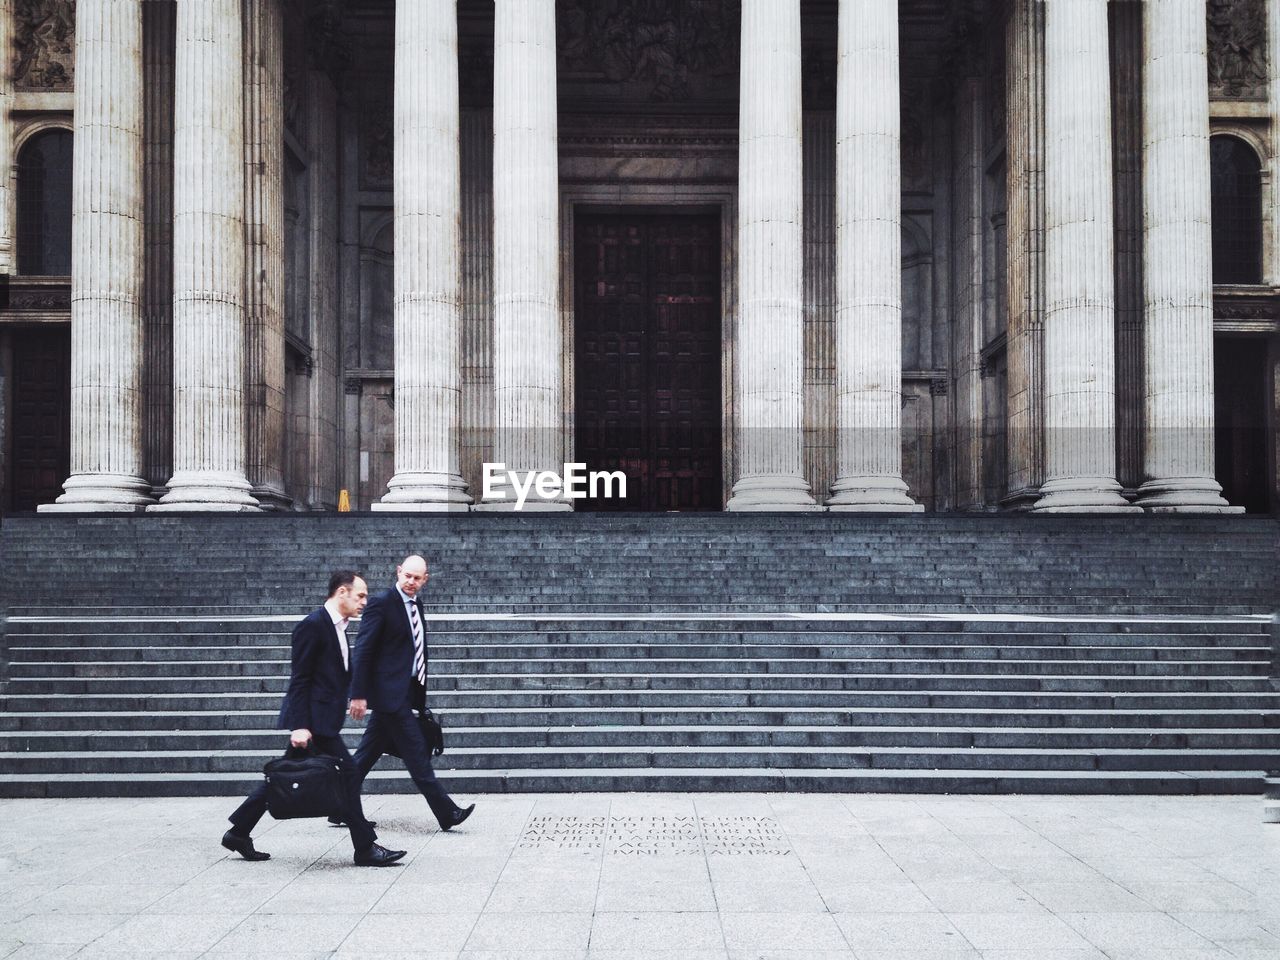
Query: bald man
[389, 679]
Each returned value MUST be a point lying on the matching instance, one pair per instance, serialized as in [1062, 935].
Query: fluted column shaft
[1079, 343]
[1177, 450]
[1271, 270]
[426, 172]
[208, 262]
[1024, 82]
[107, 263]
[770, 335]
[264, 251]
[527, 377]
[868, 261]
[6, 138]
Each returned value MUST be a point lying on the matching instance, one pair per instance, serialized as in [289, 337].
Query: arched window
[44, 205]
[1237, 211]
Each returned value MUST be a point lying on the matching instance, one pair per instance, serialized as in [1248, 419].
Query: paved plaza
[655, 876]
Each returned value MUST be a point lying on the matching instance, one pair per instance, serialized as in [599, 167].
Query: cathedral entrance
[1240, 421]
[647, 352]
[40, 455]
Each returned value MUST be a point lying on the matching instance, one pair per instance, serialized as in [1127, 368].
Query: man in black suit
[314, 708]
[389, 678]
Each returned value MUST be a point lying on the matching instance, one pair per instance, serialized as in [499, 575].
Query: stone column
[107, 263]
[325, 308]
[427, 203]
[264, 252]
[6, 138]
[1079, 342]
[1177, 448]
[1024, 83]
[527, 375]
[770, 346]
[868, 262]
[1271, 270]
[158, 23]
[208, 262]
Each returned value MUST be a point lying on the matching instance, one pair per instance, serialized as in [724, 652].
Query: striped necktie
[419, 651]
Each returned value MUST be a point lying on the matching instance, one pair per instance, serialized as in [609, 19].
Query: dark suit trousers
[247, 815]
[401, 732]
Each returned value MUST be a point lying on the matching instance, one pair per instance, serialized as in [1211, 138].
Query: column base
[1184, 495]
[1082, 495]
[206, 492]
[772, 493]
[101, 493]
[872, 495]
[424, 493]
[502, 497]
[272, 499]
[1021, 501]
[530, 506]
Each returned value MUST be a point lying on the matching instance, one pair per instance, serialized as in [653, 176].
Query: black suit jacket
[318, 682]
[382, 665]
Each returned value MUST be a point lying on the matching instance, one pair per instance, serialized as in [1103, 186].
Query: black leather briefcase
[304, 783]
[432, 732]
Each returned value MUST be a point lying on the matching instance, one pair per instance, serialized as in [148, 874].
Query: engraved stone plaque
[658, 835]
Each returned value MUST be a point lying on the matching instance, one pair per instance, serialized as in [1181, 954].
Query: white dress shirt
[339, 624]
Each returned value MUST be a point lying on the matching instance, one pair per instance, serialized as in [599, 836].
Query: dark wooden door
[1240, 421]
[647, 358]
[41, 451]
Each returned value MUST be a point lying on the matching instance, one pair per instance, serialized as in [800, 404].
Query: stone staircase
[147, 656]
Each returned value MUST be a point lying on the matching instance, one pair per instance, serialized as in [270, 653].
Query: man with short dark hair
[389, 677]
[313, 710]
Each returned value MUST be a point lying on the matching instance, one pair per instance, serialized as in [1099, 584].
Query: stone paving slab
[654, 877]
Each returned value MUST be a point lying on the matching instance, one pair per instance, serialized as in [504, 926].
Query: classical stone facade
[869, 255]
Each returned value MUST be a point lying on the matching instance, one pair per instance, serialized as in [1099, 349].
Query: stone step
[587, 757]
[648, 699]
[211, 740]
[977, 648]
[440, 686]
[1066, 716]
[770, 779]
[452, 672]
[659, 629]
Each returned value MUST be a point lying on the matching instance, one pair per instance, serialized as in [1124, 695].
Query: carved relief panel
[44, 40]
[661, 51]
[1237, 49]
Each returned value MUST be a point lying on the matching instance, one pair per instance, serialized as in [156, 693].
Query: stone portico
[866, 255]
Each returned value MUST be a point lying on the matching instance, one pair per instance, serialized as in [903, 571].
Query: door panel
[41, 452]
[1240, 421]
[647, 348]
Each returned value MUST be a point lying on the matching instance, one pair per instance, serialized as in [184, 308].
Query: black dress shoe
[377, 856]
[243, 846]
[339, 822]
[458, 816]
